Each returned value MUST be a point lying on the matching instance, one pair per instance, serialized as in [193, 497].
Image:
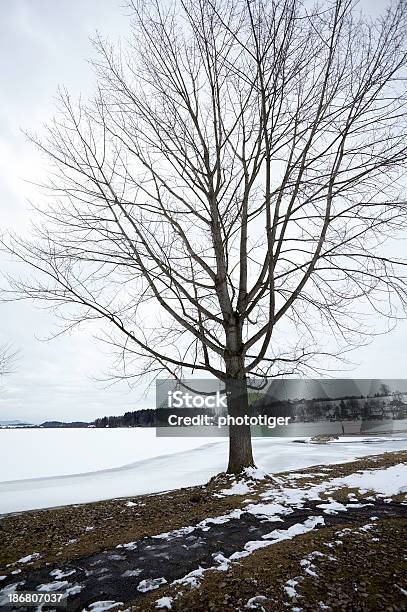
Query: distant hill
[47, 424]
[51, 424]
[14, 423]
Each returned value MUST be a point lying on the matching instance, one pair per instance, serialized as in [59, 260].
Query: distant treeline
[149, 417]
[381, 405]
[158, 417]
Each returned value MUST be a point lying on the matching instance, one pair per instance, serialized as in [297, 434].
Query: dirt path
[127, 572]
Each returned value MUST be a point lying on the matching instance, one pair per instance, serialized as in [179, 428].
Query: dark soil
[363, 571]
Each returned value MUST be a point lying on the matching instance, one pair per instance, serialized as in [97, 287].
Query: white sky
[44, 44]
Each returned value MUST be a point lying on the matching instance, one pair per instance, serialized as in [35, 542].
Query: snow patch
[29, 558]
[58, 574]
[219, 520]
[254, 603]
[223, 562]
[238, 488]
[129, 545]
[268, 510]
[73, 590]
[289, 588]
[101, 606]
[278, 535]
[149, 584]
[192, 579]
[255, 473]
[171, 535]
[132, 573]
[388, 481]
[50, 587]
[164, 602]
[333, 507]
[366, 527]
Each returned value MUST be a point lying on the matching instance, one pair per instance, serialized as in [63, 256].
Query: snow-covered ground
[44, 468]
[32, 453]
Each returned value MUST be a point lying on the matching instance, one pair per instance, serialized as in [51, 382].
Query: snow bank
[388, 481]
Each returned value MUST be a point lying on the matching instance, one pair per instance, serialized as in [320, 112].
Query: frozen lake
[31, 453]
[52, 467]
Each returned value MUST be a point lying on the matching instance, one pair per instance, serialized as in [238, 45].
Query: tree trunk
[240, 441]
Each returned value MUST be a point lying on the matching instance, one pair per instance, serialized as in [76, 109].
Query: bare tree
[8, 358]
[225, 200]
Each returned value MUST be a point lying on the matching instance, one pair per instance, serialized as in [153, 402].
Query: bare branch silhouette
[8, 358]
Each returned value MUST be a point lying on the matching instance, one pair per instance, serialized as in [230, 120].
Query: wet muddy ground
[130, 571]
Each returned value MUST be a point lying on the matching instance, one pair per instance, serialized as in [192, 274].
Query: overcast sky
[45, 44]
